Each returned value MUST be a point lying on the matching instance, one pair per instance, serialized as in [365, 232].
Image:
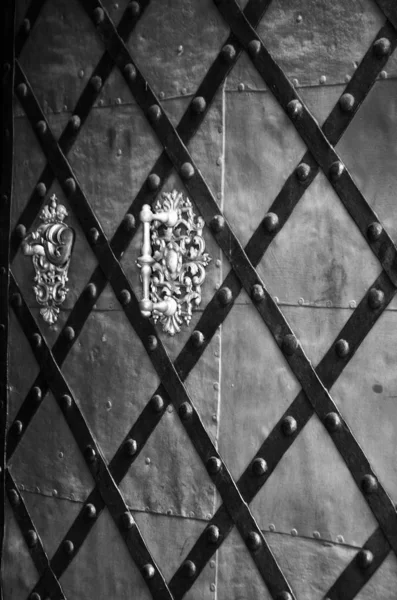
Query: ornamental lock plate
[50, 247]
[173, 261]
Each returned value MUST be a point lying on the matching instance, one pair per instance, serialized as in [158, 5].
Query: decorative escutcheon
[50, 247]
[173, 261]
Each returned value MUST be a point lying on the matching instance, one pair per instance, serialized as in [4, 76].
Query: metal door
[252, 453]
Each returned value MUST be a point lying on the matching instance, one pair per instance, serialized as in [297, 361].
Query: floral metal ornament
[173, 261]
[50, 247]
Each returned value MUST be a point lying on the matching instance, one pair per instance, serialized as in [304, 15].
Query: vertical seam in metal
[6, 177]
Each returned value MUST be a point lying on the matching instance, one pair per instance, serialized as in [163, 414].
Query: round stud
[94, 235]
[16, 300]
[336, 170]
[22, 90]
[20, 231]
[228, 53]
[99, 15]
[148, 571]
[90, 454]
[129, 222]
[96, 82]
[365, 559]
[332, 422]
[17, 427]
[217, 223]
[75, 122]
[294, 109]
[342, 348]
[34, 596]
[199, 105]
[225, 296]
[289, 425]
[382, 47]
[41, 127]
[41, 189]
[68, 547]
[259, 466]
[154, 113]
[134, 8]
[14, 498]
[31, 538]
[153, 182]
[187, 170]
[125, 297]
[127, 520]
[270, 222]
[152, 342]
[254, 47]
[36, 394]
[91, 290]
[90, 511]
[70, 185]
[66, 401]
[189, 568]
[37, 340]
[69, 333]
[197, 339]
[185, 411]
[214, 465]
[374, 231]
[258, 293]
[290, 344]
[130, 447]
[254, 541]
[26, 25]
[213, 534]
[284, 596]
[302, 172]
[347, 102]
[157, 403]
[3, 271]
[375, 298]
[130, 72]
[369, 484]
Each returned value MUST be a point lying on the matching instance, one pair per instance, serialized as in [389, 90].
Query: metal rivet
[347, 102]
[383, 74]
[284, 596]
[90, 511]
[217, 223]
[374, 231]
[259, 466]
[199, 105]
[14, 497]
[70, 185]
[129, 222]
[41, 189]
[302, 171]
[382, 47]
[197, 339]
[189, 568]
[26, 25]
[365, 558]
[66, 401]
[34, 596]
[213, 534]
[37, 340]
[369, 484]
[130, 71]
[342, 348]
[254, 541]
[157, 403]
[99, 15]
[332, 422]
[375, 298]
[36, 394]
[294, 109]
[75, 122]
[214, 465]
[16, 300]
[254, 47]
[154, 113]
[336, 170]
[125, 297]
[241, 87]
[31, 538]
[153, 182]
[323, 79]
[187, 170]
[69, 333]
[17, 427]
[91, 290]
[96, 82]
[68, 547]
[258, 293]
[185, 411]
[270, 222]
[3, 271]
[289, 344]
[130, 447]
[20, 231]
[22, 90]
[127, 520]
[316, 535]
[289, 425]
[90, 454]
[225, 296]
[134, 8]
[294, 532]
[148, 571]
[41, 127]
[228, 53]
[152, 342]
[94, 235]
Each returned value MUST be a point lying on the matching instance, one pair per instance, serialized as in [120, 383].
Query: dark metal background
[110, 495]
